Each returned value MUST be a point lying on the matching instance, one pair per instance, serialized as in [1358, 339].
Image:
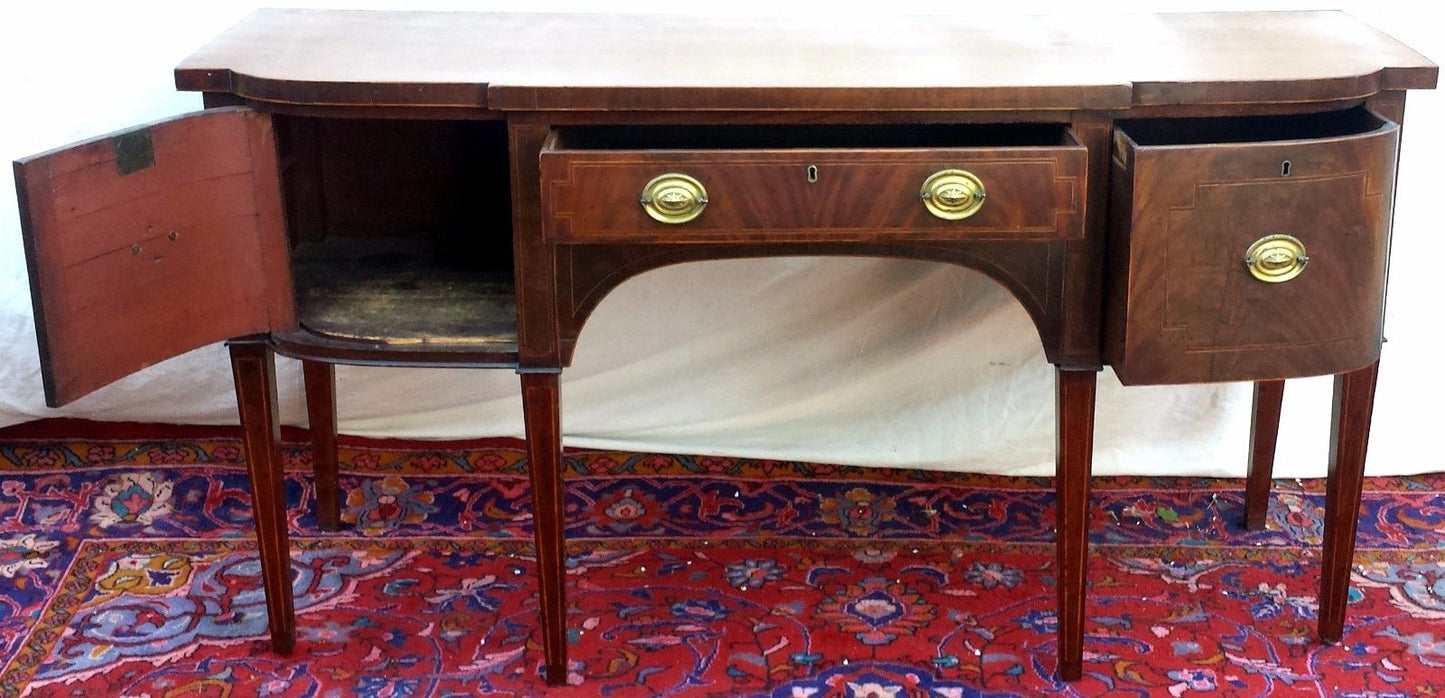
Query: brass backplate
[673, 198]
[952, 194]
[1276, 258]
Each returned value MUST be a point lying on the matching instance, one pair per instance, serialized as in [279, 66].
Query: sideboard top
[787, 63]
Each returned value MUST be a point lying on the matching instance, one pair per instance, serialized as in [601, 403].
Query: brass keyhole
[812, 173]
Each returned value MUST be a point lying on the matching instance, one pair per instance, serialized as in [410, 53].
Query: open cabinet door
[146, 244]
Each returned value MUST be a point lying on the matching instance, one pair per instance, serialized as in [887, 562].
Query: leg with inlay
[541, 407]
[1263, 435]
[254, 368]
[1074, 457]
[1354, 403]
[320, 381]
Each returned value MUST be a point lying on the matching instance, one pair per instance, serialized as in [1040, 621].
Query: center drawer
[813, 184]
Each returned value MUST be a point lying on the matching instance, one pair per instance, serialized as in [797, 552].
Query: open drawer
[813, 183]
[1248, 248]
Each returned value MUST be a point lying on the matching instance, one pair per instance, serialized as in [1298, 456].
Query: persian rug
[127, 568]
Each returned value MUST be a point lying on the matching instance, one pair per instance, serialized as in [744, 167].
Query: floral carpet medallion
[128, 569]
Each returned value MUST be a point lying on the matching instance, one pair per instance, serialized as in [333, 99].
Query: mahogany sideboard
[1186, 197]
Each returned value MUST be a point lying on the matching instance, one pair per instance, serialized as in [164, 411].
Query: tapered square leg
[1263, 437]
[320, 379]
[1354, 404]
[541, 407]
[1075, 454]
[254, 368]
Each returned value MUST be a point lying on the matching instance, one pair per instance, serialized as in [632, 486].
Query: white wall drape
[885, 363]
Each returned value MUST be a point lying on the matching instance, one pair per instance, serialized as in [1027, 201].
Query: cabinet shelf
[407, 294]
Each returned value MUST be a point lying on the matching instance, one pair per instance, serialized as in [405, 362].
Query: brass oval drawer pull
[1276, 258]
[673, 198]
[952, 194]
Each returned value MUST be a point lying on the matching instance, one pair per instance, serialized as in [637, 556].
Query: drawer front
[1205, 240]
[1031, 193]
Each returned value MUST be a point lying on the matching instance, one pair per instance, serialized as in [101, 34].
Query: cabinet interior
[800, 136]
[1250, 129]
[400, 230]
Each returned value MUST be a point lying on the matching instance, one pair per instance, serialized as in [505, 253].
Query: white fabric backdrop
[896, 363]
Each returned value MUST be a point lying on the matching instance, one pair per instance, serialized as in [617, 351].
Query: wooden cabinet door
[148, 243]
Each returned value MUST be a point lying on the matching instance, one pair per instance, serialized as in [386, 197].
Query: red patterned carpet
[127, 569]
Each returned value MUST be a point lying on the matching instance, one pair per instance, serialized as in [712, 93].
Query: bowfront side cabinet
[145, 244]
[461, 190]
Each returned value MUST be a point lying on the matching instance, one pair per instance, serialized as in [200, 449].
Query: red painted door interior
[148, 243]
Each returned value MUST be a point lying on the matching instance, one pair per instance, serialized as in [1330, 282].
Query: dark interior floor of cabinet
[403, 291]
